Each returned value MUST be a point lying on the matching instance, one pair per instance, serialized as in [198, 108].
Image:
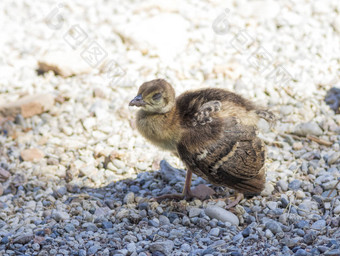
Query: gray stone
[238, 238]
[82, 252]
[90, 226]
[337, 210]
[194, 212]
[290, 242]
[282, 184]
[302, 224]
[329, 185]
[123, 213]
[171, 174]
[329, 193]
[163, 220]
[23, 239]
[306, 207]
[131, 247]
[36, 246]
[294, 185]
[101, 212]
[246, 232]
[274, 227]
[185, 221]
[310, 237]
[93, 249]
[185, 247]
[333, 158]
[69, 228]
[319, 225]
[334, 252]
[300, 252]
[272, 205]
[283, 218]
[107, 224]
[129, 198]
[165, 247]
[323, 248]
[60, 215]
[154, 222]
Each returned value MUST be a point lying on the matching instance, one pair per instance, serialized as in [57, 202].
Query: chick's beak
[137, 101]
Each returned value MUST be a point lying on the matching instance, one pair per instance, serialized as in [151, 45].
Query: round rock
[221, 214]
[165, 247]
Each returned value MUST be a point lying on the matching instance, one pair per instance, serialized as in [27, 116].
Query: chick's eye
[157, 96]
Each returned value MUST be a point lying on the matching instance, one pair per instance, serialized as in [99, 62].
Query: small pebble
[214, 231]
[294, 185]
[319, 225]
[274, 227]
[300, 252]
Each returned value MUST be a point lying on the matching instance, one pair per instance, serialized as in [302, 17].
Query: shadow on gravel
[332, 99]
[144, 187]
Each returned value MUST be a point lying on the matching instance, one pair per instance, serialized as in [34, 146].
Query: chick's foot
[239, 197]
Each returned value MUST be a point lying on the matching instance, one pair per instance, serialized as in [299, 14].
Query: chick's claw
[238, 199]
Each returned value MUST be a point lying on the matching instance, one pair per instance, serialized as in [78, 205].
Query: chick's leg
[201, 191]
[186, 194]
[186, 190]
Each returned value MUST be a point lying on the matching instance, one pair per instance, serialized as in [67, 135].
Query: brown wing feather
[231, 155]
[220, 143]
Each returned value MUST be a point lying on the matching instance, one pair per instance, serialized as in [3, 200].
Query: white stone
[64, 63]
[111, 167]
[336, 23]
[89, 123]
[261, 9]
[300, 194]
[142, 166]
[67, 130]
[165, 34]
[337, 210]
[221, 214]
[118, 163]
[269, 234]
[310, 128]
[268, 190]
[320, 7]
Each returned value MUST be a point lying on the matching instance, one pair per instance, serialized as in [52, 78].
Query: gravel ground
[75, 176]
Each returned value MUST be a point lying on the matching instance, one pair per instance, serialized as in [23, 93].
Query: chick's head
[156, 96]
